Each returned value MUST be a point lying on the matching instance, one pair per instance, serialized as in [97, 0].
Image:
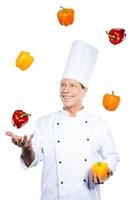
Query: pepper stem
[111, 36]
[113, 93]
[25, 114]
[63, 9]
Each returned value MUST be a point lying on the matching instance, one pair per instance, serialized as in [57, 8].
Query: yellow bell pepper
[24, 60]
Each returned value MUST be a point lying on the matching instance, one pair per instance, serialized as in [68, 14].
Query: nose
[66, 88]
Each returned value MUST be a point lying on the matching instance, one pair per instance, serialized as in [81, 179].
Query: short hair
[82, 86]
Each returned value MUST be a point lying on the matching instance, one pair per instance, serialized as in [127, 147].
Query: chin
[67, 106]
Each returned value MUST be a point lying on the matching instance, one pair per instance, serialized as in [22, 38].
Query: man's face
[71, 93]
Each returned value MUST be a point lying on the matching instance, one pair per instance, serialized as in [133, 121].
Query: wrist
[27, 155]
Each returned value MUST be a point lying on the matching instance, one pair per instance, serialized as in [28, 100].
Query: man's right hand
[21, 141]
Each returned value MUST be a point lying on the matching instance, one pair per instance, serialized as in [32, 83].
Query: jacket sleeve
[37, 143]
[108, 149]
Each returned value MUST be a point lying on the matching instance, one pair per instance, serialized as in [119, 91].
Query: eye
[73, 85]
[62, 84]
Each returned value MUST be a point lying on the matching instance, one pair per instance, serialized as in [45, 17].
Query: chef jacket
[68, 146]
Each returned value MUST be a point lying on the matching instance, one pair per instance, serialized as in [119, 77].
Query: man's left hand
[97, 179]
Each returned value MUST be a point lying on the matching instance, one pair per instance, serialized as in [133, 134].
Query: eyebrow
[69, 83]
[61, 83]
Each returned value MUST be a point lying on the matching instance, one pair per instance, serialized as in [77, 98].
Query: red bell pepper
[116, 35]
[20, 118]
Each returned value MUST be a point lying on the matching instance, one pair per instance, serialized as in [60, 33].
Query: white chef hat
[80, 62]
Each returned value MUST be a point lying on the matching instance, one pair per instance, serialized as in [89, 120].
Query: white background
[32, 25]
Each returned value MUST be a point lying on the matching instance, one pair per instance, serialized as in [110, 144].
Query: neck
[72, 111]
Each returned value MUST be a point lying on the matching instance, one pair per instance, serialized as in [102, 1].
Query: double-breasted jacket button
[57, 123]
[60, 162]
[87, 139]
[61, 182]
[85, 159]
[86, 121]
[84, 180]
[58, 141]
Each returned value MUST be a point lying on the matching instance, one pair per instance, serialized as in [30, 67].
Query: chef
[71, 140]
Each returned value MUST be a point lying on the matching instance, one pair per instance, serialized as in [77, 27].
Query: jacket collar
[78, 114]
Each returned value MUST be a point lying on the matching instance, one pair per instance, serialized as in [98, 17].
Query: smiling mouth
[67, 97]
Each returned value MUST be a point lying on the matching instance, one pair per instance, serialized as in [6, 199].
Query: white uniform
[68, 147]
